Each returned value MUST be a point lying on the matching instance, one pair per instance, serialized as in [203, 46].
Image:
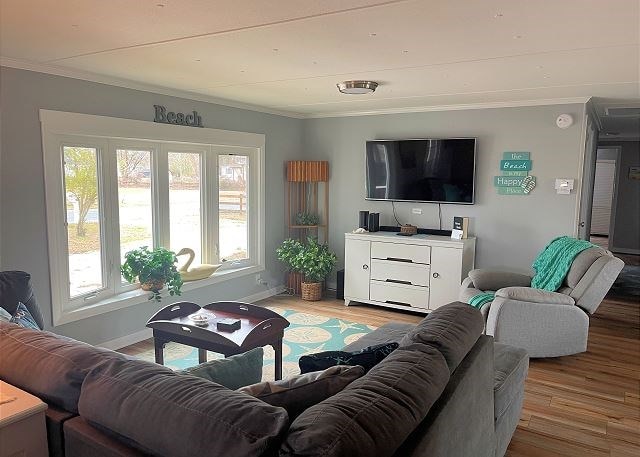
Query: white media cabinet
[419, 272]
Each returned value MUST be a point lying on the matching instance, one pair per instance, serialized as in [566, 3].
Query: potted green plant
[153, 269]
[313, 260]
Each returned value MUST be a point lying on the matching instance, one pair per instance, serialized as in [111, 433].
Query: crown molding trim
[457, 107]
[128, 84]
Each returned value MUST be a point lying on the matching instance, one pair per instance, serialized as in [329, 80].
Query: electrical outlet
[416, 211]
[260, 281]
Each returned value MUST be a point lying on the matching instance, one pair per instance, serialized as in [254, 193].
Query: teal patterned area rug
[307, 334]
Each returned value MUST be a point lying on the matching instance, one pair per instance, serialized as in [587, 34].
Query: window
[135, 200]
[185, 195]
[232, 206]
[195, 188]
[82, 211]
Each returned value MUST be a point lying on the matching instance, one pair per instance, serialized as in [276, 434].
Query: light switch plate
[416, 211]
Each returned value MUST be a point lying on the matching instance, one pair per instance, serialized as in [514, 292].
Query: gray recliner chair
[546, 324]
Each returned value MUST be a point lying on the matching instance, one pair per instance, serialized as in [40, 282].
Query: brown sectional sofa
[443, 392]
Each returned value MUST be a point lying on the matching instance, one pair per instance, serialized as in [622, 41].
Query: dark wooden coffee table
[259, 327]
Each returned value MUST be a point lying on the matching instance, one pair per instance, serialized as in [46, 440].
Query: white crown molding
[120, 82]
[456, 107]
[126, 83]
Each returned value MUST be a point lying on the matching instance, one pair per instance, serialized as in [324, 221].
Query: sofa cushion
[232, 372]
[15, 287]
[366, 358]
[581, 264]
[388, 333]
[49, 366]
[511, 365]
[374, 414]
[176, 415]
[453, 329]
[300, 392]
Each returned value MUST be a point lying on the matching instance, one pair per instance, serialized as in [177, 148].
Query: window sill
[138, 296]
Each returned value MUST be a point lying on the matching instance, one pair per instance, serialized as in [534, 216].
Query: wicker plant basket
[152, 285]
[312, 291]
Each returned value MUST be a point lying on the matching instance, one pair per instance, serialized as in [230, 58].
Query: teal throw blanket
[477, 301]
[553, 263]
[551, 267]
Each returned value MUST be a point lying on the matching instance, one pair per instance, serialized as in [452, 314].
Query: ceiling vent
[623, 111]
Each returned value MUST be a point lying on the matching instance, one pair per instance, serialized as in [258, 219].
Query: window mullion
[210, 207]
[108, 197]
[160, 192]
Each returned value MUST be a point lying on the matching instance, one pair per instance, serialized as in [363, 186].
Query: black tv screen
[430, 170]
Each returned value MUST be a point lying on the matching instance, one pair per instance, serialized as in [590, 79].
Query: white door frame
[614, 200]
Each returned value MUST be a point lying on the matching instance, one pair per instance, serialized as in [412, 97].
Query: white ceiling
[287, 55]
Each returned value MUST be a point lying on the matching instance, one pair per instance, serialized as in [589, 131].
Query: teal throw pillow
[233, 372]
[23, 318]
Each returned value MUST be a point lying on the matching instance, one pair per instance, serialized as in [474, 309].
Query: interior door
[603, 187]
[357, 268]
[446, 273]
[588, 175]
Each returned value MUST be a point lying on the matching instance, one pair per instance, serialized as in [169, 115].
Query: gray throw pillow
[300, 392]
[233, 372]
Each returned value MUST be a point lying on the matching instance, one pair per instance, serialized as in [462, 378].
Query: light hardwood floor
[582, 405]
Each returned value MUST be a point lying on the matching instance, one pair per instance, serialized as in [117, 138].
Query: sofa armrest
[485, 279]
[531, 295]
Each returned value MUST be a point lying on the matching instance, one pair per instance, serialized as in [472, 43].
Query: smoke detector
[357, 87]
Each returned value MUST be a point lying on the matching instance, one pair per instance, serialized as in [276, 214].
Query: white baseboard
[146, 333]
[624, 250]
[127, 340]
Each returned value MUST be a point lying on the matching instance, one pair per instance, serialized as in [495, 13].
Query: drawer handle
[243, 308]
[397, 259]
[397, 303]
[436, 275]
[397, 281]
[186, 329]
[365, 267]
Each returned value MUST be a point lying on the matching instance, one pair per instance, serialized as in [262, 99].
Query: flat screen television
[428, 170]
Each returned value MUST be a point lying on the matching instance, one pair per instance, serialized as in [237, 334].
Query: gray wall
[23, 242]
[626, 230]
[511, 230]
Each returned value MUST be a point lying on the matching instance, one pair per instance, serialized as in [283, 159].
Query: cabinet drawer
[400, 294]
[403, 252]
[416, 274]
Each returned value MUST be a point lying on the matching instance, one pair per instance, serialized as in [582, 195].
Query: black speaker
[363, 219]
[374, 222]
[340, 285]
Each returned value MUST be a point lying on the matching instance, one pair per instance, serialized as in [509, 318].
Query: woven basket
[152, 285]
[311, 291]
[408, 228]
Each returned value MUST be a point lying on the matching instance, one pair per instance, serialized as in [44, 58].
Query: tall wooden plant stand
[306, 192]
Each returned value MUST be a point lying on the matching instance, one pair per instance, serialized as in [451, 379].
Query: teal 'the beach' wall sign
[515, 179]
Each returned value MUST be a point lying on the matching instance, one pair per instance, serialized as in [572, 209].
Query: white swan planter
[202, 271]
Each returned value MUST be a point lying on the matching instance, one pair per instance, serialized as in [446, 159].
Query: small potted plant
[153, 269]
[313, 260]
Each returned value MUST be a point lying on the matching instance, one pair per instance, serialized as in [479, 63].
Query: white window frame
[108, 134]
